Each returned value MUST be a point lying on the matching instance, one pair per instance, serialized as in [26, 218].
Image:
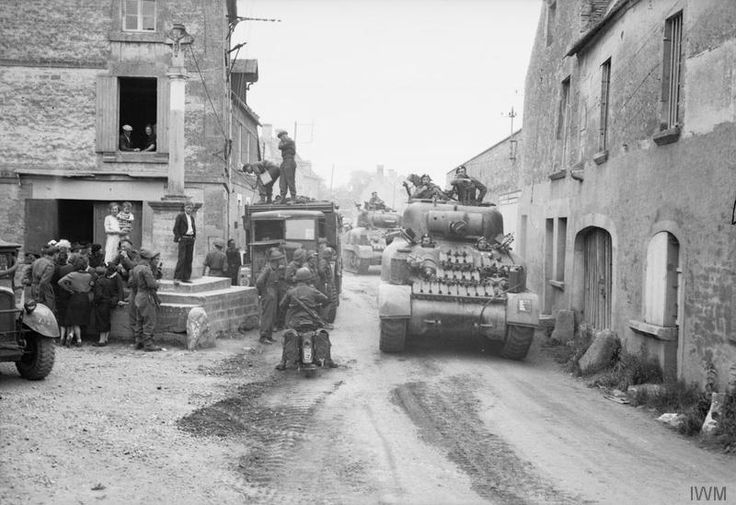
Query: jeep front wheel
[518, 340]
[393, 335]
[38, 360]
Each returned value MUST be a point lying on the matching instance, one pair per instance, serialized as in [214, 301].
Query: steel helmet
[303, 274]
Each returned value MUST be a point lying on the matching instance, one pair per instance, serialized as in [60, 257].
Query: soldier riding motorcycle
[306, 344]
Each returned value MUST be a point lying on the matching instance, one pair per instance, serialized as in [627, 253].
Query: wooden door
[597, 276]
[42, 224]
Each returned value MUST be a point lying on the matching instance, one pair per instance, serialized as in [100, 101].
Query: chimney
[379, 170]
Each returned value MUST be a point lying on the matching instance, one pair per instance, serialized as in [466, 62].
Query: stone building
[627, 186]
[498, 167]
[73, 73]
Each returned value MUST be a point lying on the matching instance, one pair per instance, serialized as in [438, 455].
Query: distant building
[99, 66]
[498, 167]
[627, 178]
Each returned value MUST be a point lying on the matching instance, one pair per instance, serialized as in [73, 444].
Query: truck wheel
[518, 340]
[364, 264]
[393, 335]
[37, 363]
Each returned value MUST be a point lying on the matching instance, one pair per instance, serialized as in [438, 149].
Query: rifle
[318, 320]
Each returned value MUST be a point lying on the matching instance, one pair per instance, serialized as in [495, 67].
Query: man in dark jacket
[468, 190]
[288, 166]
[185, 232]
[234, 262]
[266, 173]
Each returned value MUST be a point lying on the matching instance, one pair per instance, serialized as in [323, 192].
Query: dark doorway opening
[76, 220]
[138, 106]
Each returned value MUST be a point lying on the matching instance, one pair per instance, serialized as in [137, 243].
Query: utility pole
[511, 115]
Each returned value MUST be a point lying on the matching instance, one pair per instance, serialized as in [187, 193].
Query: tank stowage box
[451, 272]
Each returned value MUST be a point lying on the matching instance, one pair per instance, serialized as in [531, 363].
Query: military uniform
[327, 284]
[268, 287]
[216, 260]
[469, 191]
[287, 182]
[146, 304]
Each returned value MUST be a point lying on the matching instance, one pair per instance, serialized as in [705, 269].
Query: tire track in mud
[447, 416]
[272, 431]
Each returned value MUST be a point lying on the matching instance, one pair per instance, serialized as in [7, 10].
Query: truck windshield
[299, 229]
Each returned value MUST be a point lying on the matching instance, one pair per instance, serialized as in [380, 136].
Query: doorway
[597, 278]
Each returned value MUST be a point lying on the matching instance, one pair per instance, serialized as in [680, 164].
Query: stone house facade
[627, 184]
[499, 168]
[97, 66]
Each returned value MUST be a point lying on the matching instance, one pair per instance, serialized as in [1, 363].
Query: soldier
[302, 303]
[215, 263]
[144, 276]
[468, 190]
[40, 276]
[297, 261]
[327, 281]
[268, 289]
[313, 265]
[266, 174]
[375, 203]
[288, 166]
[427, 190]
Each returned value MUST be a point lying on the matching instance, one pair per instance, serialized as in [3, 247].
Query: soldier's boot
[289, 350]
[148, 345]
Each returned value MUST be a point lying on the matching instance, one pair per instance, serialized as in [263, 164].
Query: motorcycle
[309, 349]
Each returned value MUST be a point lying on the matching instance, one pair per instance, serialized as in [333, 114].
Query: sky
[414, 85]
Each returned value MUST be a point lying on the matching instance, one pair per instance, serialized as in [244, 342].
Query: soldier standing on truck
[268, 289]
[288, 166]
[266, 173]
[468, 190]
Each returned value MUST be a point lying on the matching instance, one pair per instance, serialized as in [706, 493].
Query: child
[126, 218]
[108, 293]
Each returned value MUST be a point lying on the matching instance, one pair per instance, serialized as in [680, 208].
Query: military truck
[363, 245]
[452, 273]
[309, 225]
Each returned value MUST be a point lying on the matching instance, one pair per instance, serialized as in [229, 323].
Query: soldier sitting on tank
[468, 190]
[302, 303]
[427, 190]
[375, 203]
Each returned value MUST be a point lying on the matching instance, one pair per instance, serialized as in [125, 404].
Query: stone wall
[684, 188]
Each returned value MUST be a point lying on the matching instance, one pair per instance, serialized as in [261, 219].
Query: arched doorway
[597, 277]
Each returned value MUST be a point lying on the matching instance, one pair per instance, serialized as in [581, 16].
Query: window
[137, 106]
[551, 14]
[299, 229]
[563, 116]
[672, 67]
[561, 249]
[139, 15]
[661, 291]
[605, 88]
[134, 101]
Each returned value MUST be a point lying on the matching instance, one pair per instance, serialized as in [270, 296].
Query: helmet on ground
[303, 274]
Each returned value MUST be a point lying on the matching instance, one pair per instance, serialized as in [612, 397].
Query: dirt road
[442, 423]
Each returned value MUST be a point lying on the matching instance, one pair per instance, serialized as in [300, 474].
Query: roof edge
[615, 12]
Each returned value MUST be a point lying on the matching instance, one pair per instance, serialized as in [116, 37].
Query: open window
[134, 101]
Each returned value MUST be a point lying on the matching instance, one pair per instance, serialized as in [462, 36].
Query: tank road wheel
[393, 335]
[38, 360]
[364, 264]
[518, 340]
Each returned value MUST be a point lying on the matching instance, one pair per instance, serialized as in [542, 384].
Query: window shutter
[162, 115]
[106, 138]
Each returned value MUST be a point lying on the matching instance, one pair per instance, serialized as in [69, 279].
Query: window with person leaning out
[130, 141]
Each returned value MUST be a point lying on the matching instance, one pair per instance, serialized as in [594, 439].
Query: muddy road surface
[441, 423]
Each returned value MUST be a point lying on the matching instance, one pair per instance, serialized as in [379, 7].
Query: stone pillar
[177, 85]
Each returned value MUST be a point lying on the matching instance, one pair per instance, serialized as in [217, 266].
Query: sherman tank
[451, 273]
[363, 245]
